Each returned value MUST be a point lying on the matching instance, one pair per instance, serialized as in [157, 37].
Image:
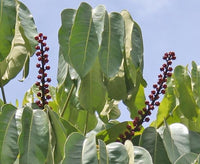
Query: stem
[67, 100]
[86, 124]
[2, 91]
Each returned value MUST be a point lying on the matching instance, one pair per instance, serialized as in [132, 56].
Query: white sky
[167, 25]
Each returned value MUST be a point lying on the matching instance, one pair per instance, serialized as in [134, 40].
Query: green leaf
[170, 147]
[8, 135]
[180, 136]
[152, 142]
[103, 154]
[98, 15]
[194, 139]
[89, 153]
[74, 148]
[60, 135]
[141, 155]
[34, 138]
[62, 69]
[7, 26]
[135, 100]
[83, 43]
[27, 27]
[188, 158]
[187, 102]
[112, 45]
[116, 86]
[92, 93]
[195, 76]
[167, 105]
[67, 16]
[112, 133]
[22, 46]
[133, 40]
[117, 153]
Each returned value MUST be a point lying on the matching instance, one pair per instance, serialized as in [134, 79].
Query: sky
[167, 25]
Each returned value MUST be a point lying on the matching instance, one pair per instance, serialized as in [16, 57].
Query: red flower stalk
[42, 84]
[158, 89]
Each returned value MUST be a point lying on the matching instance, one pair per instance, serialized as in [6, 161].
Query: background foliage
[100, 64]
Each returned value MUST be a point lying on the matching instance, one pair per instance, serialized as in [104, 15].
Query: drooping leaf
[187, 102]
[8, 135]
[34, 138]
[117, 153]
[83, 43]
[112, 45]
[7, 26]
[22, 46]
[151, 141]
[60, 135]
[74, 148]
[141, 155]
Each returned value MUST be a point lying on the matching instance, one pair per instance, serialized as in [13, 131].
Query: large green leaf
[117, 153]
[187, 102]
[92, 93]
[152, 142]
[74, 148]
[59, 132]
[34, 138]
[7, 26]
[8, 135]
[112, 45]
[141, 155]
[83, 43]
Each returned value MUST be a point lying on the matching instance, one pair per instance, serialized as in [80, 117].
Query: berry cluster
[158, 88]
[43, 80]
